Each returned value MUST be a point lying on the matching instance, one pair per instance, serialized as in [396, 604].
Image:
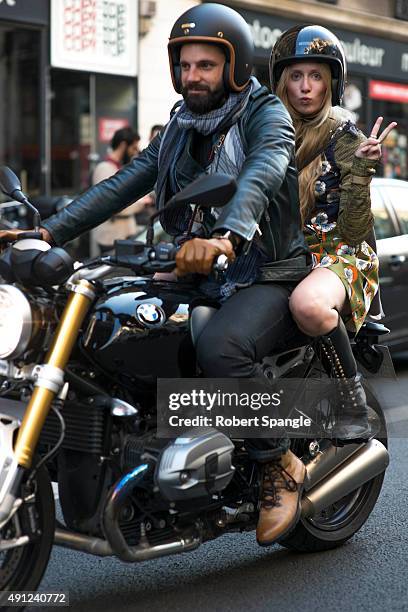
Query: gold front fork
[58, 355]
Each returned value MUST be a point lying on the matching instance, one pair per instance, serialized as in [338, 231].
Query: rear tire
[339, 522]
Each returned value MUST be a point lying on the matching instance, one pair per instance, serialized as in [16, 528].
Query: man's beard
[201, 104]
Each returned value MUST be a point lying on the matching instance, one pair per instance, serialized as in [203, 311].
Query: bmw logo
[150, 315]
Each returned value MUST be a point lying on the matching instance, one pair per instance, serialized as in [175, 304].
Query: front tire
[340, 521]
[22, 567]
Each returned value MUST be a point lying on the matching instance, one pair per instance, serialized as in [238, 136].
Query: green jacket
[343, 189]
[355, 221]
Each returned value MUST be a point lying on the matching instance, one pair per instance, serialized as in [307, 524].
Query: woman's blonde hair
[312, 134]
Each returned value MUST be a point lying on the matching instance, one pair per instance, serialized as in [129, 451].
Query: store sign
[384, 90]
[107, 126]
[356, 51]
[95, 35]
[365, 54]
[34, 12]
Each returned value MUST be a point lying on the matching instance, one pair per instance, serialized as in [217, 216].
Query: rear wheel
[337, 523]
[22, 567]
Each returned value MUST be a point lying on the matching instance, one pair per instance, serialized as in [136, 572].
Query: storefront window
[353, 100]
[115, 107]
[83, 107]
[19, 104]
[70, 130]
[394, 158]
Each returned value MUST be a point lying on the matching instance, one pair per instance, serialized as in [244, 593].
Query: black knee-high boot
[351, 413]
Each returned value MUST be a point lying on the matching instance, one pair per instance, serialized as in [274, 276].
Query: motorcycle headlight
[16, 322]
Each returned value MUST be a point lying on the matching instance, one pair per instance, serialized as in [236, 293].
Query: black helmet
[310, 43]
[221, 25]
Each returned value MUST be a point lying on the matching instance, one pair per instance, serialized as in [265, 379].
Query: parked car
[389, 200]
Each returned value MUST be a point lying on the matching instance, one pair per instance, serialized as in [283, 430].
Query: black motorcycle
[80, 353]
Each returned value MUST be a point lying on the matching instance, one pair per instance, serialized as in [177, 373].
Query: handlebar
[151, 259]
[141, 259]
[221, 264]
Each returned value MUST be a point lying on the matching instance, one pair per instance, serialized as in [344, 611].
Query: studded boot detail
[351, 411]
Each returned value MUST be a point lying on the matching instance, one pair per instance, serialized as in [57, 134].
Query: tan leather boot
[282, 488]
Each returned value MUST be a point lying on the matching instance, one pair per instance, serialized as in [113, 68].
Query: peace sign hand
[371, 148]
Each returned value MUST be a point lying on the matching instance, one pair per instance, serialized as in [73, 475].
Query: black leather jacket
[266, 198]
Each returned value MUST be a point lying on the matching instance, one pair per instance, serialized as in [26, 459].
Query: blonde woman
[336, 163]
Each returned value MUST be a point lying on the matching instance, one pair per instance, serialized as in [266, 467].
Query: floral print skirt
[356, 267]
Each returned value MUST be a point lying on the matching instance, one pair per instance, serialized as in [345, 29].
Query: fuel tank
[139, 329]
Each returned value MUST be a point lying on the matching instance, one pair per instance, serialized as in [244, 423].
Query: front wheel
[340, 521]
[22, 567]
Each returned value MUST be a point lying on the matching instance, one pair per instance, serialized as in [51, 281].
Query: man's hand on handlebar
[199, 254]
[8, 236]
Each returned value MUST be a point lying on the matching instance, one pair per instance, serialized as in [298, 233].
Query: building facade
[156, 94]
[58, 112]
[66, 86]
[375, 43]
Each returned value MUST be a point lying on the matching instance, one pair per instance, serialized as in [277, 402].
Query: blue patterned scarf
[175, 135]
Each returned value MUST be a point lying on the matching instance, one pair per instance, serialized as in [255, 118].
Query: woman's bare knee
[312, 317]
[316, 301]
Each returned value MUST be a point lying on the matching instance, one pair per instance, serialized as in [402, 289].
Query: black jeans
[250, 325]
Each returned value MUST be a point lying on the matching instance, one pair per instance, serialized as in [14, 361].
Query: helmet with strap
[310, 43]
[220, 25]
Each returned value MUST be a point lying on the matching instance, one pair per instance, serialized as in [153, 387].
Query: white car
[389, 201]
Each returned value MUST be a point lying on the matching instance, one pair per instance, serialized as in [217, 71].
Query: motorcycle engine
[194, 466]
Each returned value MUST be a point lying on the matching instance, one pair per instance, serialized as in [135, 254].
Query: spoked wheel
[338, 522]
[26, 540]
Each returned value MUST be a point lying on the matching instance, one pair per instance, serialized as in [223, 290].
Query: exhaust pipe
[364, 463]
[328, 459]
[101, 548]
[84, 543]
[115, 543]
[143, 551]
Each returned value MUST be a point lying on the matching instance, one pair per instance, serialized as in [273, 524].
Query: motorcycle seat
[371, 328]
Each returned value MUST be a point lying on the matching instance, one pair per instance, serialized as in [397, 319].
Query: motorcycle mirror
[208, 191]
[9, 182]
[10, 185]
